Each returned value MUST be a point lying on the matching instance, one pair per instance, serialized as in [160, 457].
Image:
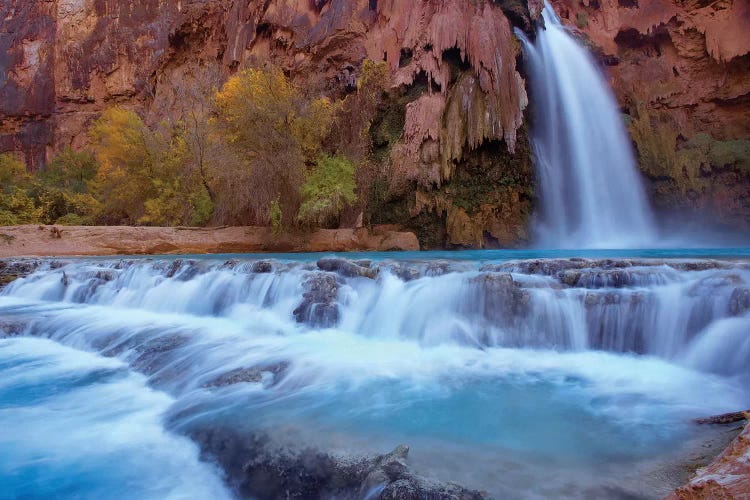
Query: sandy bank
[33, 240]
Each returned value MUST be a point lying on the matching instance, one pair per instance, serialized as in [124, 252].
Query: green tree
[147, 176]
[327, 190]
[71, 170]
[16, 206]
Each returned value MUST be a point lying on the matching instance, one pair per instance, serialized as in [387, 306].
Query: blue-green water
[495, 378]
[477, 255]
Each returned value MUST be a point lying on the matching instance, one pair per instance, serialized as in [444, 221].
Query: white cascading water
[455, 358]
[590, 191]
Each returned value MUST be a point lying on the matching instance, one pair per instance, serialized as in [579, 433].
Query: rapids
[497, 372]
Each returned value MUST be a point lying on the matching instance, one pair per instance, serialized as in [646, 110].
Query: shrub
[327, 190]
[276, 216]
[13, 173]
[71, 170]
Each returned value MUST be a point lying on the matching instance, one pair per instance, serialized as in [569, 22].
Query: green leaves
[327, 190]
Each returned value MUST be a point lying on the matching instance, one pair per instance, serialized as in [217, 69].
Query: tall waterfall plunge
[590, 191]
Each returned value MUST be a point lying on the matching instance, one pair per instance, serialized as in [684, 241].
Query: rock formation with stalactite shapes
[681, 71]
[453, 63]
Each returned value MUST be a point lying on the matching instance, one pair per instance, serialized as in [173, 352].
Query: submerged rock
[257, 468]
[253, 374]
[739, 302]
[347, 268]
[11, 270]
[319, 307]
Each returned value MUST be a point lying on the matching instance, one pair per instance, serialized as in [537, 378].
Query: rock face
[681, 71]
[452, 138]
[453, 66]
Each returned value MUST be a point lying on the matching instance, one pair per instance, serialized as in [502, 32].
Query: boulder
[319, 307]
[347, 268]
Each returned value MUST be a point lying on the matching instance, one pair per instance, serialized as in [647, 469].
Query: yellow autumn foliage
[275, 133]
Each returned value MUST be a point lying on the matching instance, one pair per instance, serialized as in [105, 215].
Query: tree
[274, 131]
[16, 206]
[125, 149]
[147, 176]
[327, 190]
[71, 170]
[13, 173]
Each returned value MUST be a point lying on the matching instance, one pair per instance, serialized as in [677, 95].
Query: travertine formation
[454, 140]
[728, 476]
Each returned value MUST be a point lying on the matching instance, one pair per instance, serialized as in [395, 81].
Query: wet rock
[236, 376]
[739, 302]
[392, 473]
[570, 277]
[545, 267]
[500, 298]
[252, 374]
[12, 328]
[153, 354]
[11, 270]
[319, 307]
[174, 268]
[402, 270]
[697, 265]
[105, 275]
[437, 268]
[262, 267]
[347, 268]
[258, 469]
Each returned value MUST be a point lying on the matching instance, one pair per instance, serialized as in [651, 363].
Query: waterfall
[662, 308]
[452, 357]
[590, 192]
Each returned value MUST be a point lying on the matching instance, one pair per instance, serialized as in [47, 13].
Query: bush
[71, 170]
[276, 216]
[71, 220]
[13, 173]
[327, 190]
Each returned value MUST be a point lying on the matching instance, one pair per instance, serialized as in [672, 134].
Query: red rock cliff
[454, 140]
[455, 61]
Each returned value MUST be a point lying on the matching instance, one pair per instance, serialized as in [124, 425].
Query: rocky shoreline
[727, 476]
[36, 241]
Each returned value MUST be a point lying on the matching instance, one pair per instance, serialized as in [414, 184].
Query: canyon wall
[451, 136]
[452, 133]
